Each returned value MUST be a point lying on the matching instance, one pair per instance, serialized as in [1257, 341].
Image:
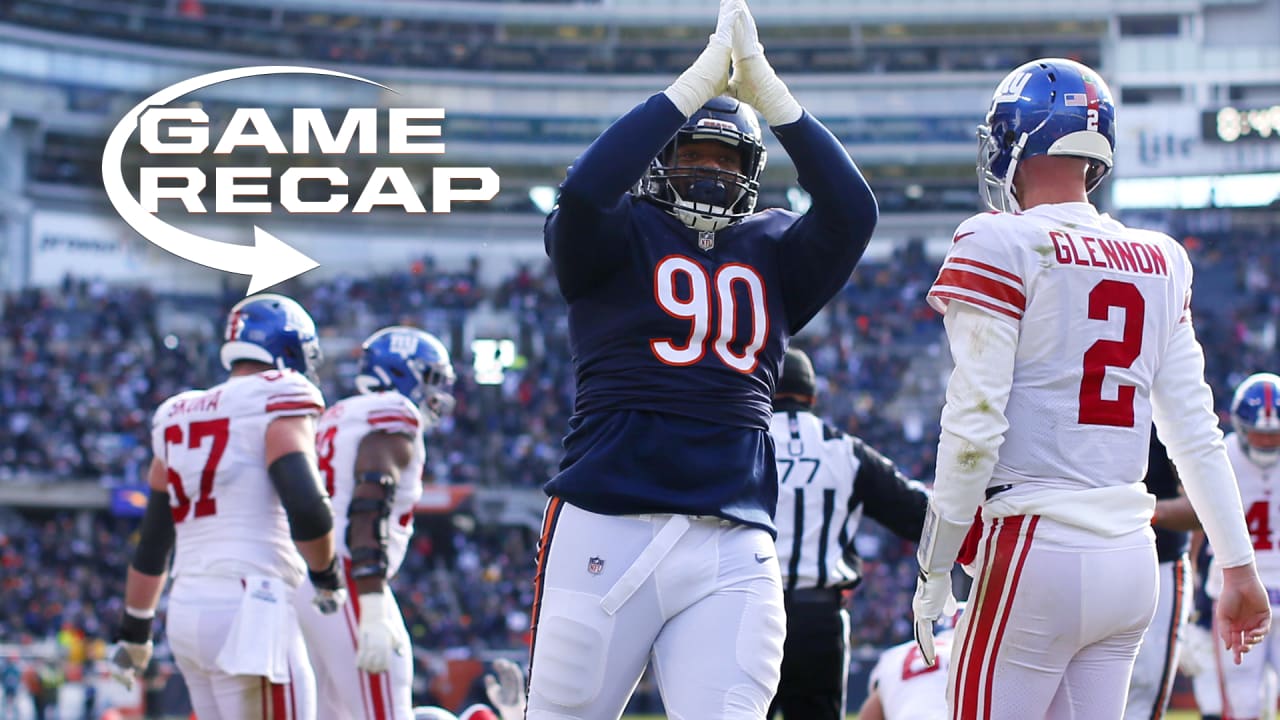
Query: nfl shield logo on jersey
[595, 566]
[706, 239]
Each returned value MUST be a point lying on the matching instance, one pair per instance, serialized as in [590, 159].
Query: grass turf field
[1173, 715]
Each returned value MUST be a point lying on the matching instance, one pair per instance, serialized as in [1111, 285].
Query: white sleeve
[983, 347]
[1182, 408]
[290, 394]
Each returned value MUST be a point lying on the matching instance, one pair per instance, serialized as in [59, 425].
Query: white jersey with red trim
[1094, 303]
[338, 438]
[909, 689]
[228, 518]
[1261, 502]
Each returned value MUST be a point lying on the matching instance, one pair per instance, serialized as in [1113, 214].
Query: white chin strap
[701, 216]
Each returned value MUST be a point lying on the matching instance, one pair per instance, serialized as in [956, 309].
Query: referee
[827, 480]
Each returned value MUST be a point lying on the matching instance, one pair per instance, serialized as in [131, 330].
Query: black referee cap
[797, 382]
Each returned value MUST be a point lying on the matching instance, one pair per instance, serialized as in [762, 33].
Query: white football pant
[699, 597]
[344, 691]
[201, 612]
[1053, 624]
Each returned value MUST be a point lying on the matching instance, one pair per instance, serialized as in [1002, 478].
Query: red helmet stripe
[1268, 400]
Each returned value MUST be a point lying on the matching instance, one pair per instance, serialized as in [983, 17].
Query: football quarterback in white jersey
[235, 490]
[1254, 450]
[1071, 333]
[371, 453]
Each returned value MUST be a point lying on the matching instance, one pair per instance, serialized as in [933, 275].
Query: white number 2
[696, 308]
[1092, 122]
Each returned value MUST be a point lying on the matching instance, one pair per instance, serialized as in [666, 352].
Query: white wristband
[373, 607]
[140, 613]
[706, 78]
[940, 542]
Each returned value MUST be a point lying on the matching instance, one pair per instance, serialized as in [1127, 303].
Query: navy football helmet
[1255, 415]
[707, 198]
[413, 363]
[272, 329]
[1050, 106]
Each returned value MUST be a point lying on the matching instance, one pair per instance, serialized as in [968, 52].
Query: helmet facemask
[996, 187]
[705, 197]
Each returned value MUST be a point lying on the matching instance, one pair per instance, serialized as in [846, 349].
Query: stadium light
[543, 197]
[1197, 191]
[492, 358]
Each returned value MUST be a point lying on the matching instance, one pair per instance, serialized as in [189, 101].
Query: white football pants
[699, 597]
[1053, 624]
[344, 691]
[201, 612]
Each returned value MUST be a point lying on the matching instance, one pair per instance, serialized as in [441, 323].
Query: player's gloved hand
[708, 76]
[378, 641]
[506, 691]
[130, 651]
[932, 600]
[330, 594]
[1197, 650]
[754, 82]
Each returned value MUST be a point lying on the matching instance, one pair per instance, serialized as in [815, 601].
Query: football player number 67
[696, 307]
[218, 430]
[1095, 409]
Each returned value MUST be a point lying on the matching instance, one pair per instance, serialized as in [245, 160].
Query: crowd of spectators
[82, 366]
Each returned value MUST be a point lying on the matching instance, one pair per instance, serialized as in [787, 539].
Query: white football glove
[506, 691]
[708, 76]
[754, 82]
[378, 641]
[932, 600]
[128, 661]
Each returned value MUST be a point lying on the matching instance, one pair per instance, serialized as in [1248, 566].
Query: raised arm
[585, 235]
[822, 248]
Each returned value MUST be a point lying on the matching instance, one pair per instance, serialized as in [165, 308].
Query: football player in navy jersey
[657, 540]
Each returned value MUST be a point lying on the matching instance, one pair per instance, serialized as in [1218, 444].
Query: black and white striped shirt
[827, 480]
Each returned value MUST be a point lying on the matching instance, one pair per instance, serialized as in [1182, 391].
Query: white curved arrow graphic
[269, 260]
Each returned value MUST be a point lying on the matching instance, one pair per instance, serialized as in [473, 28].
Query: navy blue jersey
[677, 336]
[1162, 482]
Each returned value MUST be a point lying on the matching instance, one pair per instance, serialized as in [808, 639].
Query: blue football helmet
[1255, 415]
[413, 363]
[1050, 106]
[272, 329]
[704, 198]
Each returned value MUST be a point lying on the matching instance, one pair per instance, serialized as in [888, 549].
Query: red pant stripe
[1007, 611]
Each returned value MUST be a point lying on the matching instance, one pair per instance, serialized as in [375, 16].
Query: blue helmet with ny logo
[1255, 415]
[272, 329]
[1051, 106]
[412, 362]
